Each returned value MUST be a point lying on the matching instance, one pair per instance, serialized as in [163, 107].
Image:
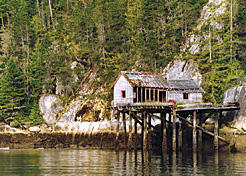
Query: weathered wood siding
[121, 85]
[178, 97]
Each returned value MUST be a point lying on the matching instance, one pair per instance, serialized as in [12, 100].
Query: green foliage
[111, 35]
[35, 117]
[12, 91]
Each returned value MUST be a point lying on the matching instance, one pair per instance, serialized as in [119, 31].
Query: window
[185, 96]
[123, 94]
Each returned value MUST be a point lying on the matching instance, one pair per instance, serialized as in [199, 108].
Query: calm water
[108, 162]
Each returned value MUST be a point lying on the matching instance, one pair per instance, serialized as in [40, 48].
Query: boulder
[34, 129]
[50, 106]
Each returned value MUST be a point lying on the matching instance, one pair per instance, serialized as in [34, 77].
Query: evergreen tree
[12, 92]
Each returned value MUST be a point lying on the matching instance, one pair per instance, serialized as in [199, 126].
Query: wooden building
[142, 87]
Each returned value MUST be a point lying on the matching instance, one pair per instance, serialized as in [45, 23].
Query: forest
[49, 42]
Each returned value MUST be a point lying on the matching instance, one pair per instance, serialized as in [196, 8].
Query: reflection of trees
[20, 163]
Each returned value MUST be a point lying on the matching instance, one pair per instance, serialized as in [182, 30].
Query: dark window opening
[123, 94]
[152, 95]
[147, 95]
[185, 96]
[156, 95]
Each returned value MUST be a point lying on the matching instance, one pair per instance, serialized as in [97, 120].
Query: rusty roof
[188, 85]
[146, 79]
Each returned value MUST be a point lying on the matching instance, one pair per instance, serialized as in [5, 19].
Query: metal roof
[187, 85]
[146, 79]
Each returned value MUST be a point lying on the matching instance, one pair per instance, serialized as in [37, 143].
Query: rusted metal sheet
[146, 79]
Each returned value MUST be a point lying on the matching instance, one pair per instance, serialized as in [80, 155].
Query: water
[108, 162]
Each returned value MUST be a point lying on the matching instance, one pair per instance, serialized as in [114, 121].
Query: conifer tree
[12, 92]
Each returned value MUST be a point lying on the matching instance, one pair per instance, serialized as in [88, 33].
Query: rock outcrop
[182, 69]
[236, 94]
[50, 106]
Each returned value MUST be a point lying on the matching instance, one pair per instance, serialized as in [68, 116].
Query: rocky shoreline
[103, 140]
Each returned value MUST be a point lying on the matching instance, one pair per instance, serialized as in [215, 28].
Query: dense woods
[46, 44]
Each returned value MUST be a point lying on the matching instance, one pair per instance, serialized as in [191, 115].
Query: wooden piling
[117, 131]
[180, 136]
[194, 132]
[149, 140]
[135, 132]
[216, 132]
[200, 138]
[145, 131]
[174, 130]
[124, 127]
[130, 139]
[164, 132]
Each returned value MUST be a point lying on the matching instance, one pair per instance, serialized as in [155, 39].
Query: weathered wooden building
[141, 87]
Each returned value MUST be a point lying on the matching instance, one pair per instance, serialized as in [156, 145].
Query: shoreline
[103, 140]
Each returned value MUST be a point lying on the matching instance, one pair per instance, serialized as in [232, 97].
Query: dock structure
[173, 119]
[178, 103]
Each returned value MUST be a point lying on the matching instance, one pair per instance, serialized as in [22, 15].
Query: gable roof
[145, 79]
[155, 80]
[187, 85]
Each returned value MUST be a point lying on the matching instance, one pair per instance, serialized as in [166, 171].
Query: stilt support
[164, 132]
[194, 132]
[124, 127]
[130, 139]
[174, 130]
[135, 132]
[117, 131]
[216, 132]
[145, 131]
[149, 137]
[180, 136]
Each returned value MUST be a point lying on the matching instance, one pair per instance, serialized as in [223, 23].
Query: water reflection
[109, 162]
